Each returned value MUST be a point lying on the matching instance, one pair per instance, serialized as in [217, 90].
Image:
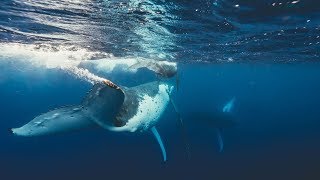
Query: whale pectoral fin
[227, 108]
[158, 138]
[220, 139]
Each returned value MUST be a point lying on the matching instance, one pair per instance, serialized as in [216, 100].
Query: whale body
[217, 119]
[111, 107]
[164, 69]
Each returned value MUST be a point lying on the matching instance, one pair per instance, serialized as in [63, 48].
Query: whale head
[166, 69]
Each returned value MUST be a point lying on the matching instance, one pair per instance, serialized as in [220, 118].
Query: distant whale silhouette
[218, 119]
[227, 108]
[109, 106]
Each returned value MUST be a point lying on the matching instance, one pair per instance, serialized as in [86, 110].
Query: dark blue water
[264, 53]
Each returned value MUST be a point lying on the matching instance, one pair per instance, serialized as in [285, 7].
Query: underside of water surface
[245, 103]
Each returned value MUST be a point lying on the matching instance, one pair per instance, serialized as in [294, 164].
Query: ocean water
[262, 54]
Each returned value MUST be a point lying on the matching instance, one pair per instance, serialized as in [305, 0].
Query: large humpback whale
[109, 106]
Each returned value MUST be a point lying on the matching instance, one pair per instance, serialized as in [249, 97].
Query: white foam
[48, 56]
[72, 59]
[85, 75]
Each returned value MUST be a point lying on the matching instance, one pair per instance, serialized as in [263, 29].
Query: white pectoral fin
[220, 139]
[158, 138]
[227, 108]
[57, 121]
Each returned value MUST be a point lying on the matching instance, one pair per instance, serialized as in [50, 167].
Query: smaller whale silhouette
[227, 108]
[109, 106]
[218, 119]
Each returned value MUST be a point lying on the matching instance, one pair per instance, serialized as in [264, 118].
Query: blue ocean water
[264, 54]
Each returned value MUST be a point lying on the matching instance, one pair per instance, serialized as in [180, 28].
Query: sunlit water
[264, 54]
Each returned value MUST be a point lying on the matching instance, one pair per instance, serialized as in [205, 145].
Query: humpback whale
[109, 106]
[164, 69]
[218, 119]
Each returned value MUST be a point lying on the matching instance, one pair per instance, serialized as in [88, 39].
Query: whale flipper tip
[158, 138]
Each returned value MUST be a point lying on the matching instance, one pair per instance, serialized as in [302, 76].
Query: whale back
[103, 103]
[162, 68]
